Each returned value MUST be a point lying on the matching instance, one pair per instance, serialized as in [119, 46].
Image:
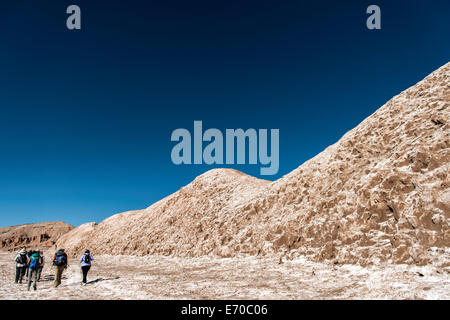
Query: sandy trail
[155, 277]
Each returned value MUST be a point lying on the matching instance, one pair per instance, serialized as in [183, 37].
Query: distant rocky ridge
[380, 194]
[34, 235]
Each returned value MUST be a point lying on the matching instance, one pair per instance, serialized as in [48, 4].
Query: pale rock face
[380, 194]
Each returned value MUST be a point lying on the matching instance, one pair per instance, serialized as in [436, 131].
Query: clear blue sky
[86, 116]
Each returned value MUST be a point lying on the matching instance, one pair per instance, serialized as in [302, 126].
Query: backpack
[34, 261]
[87, 258]
[60, 259]
[22, 259]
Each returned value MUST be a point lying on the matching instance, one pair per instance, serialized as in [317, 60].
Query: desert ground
[159, 277]
[372, 211]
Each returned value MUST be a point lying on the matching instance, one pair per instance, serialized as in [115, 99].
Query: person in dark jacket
[41, 266]
[60, 262]
[85, 260]
[29, 253]
[21, 264]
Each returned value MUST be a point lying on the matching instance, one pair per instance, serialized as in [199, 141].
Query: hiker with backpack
[21, 264]
[85, 265]
[29, 253]
[33, 265]
[60, 262]
[41, 266]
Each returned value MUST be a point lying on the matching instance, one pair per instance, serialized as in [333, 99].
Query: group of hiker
[30, 264]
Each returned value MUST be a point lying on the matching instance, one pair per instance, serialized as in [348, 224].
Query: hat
[23, 250]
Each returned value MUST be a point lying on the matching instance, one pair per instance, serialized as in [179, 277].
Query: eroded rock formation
[381, 193]
[33, 236]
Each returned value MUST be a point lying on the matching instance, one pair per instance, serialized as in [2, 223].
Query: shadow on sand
[101, 279]
[51, 278]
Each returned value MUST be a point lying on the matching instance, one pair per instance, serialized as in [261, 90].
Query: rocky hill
[34, 235]
[380, 194]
